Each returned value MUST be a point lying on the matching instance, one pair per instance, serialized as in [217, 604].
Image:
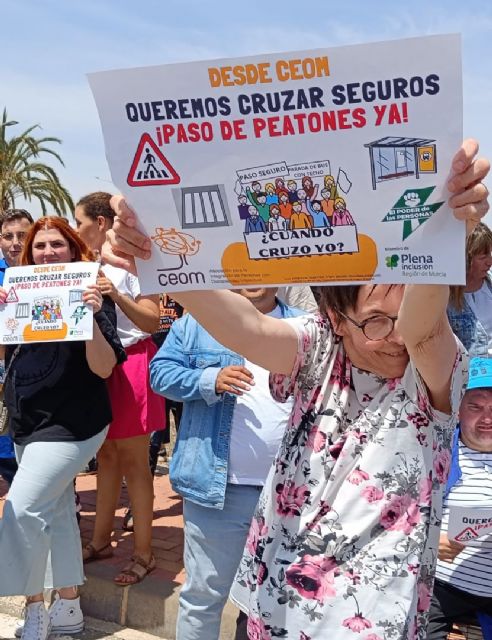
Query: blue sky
[49, 46]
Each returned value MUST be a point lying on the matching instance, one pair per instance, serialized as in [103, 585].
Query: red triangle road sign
[466, 534]
[150, 167]
[11, 296]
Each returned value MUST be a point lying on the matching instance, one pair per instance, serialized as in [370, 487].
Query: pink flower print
[425, 494]
[257, 630]
[337, 377]
[400, 514]
[442, 461]
[316, 440]
[290, 498]
[323, 509]
[418, 419]
[303, 636]
[357, 623]
[373, 636]
[392, 383]
[313, 577]
[261, 573]
[425, 595]
[357, 476]
[372, 494]
[413, 568]
[257, 530]
[335, 449]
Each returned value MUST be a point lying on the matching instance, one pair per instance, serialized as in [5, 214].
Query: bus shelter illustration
[393, 157]
[202, 207]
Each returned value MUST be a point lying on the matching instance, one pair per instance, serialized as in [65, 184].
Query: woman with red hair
[59, 410]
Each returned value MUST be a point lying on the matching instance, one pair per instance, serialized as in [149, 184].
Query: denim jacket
[469, 329]
[185, 369]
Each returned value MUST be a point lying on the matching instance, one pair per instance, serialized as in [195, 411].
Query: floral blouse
[344, 540]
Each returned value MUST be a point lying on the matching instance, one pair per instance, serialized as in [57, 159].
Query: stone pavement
[150, 606]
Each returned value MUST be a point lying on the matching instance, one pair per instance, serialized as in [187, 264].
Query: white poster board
[310, 167]
[44, 303]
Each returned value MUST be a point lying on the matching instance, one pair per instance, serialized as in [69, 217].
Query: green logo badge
[412, 210]
[392, 261]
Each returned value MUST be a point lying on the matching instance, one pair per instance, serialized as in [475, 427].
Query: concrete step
[94, 630]
[151, 606]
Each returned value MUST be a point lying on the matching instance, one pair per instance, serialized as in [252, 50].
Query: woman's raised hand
[470, 196]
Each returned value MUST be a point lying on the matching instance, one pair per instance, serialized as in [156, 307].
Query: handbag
[4, 414]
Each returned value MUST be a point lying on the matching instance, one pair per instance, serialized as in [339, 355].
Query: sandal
[137, 569]
[90, 553]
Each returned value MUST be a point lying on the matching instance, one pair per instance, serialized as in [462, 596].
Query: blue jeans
[214, 543]
[39, 536]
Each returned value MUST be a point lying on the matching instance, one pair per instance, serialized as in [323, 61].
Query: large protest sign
[44, 303]
[307, 167]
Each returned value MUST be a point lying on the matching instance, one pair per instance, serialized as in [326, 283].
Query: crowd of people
[326, 438]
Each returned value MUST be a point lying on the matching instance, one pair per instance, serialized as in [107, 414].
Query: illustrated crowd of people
[283, 205]
[47, 310]
[321, 450]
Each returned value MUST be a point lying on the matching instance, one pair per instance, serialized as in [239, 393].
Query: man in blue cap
[463, 586]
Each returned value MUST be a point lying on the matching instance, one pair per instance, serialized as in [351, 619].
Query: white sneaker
[65, 616]
[37, 625]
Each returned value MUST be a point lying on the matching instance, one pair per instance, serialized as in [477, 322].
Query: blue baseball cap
[480, 373]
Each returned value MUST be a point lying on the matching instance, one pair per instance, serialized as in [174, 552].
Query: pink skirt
[137, 410]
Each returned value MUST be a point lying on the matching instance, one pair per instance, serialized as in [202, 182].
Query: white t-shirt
[258, 426]
[300, 296]
[128, 285]
[481, 304]
[471, 569]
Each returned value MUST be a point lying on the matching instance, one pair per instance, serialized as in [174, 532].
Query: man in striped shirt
[463, 587]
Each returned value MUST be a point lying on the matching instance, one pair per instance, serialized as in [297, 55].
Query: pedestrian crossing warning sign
[11, 296]
[150, 167]
[466, 534]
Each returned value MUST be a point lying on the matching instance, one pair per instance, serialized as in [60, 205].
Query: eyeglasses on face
[375, 328]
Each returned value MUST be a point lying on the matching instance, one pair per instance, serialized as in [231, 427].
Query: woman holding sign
[344, 540]
[59, 411]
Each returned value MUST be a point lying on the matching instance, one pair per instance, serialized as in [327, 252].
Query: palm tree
[23, 175]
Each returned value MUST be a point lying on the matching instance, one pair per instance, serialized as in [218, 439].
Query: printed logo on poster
[150, 167]
[411, 209]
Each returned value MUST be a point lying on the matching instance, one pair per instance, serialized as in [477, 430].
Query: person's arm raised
[234, 322]
[422, 321]
[230, 318]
